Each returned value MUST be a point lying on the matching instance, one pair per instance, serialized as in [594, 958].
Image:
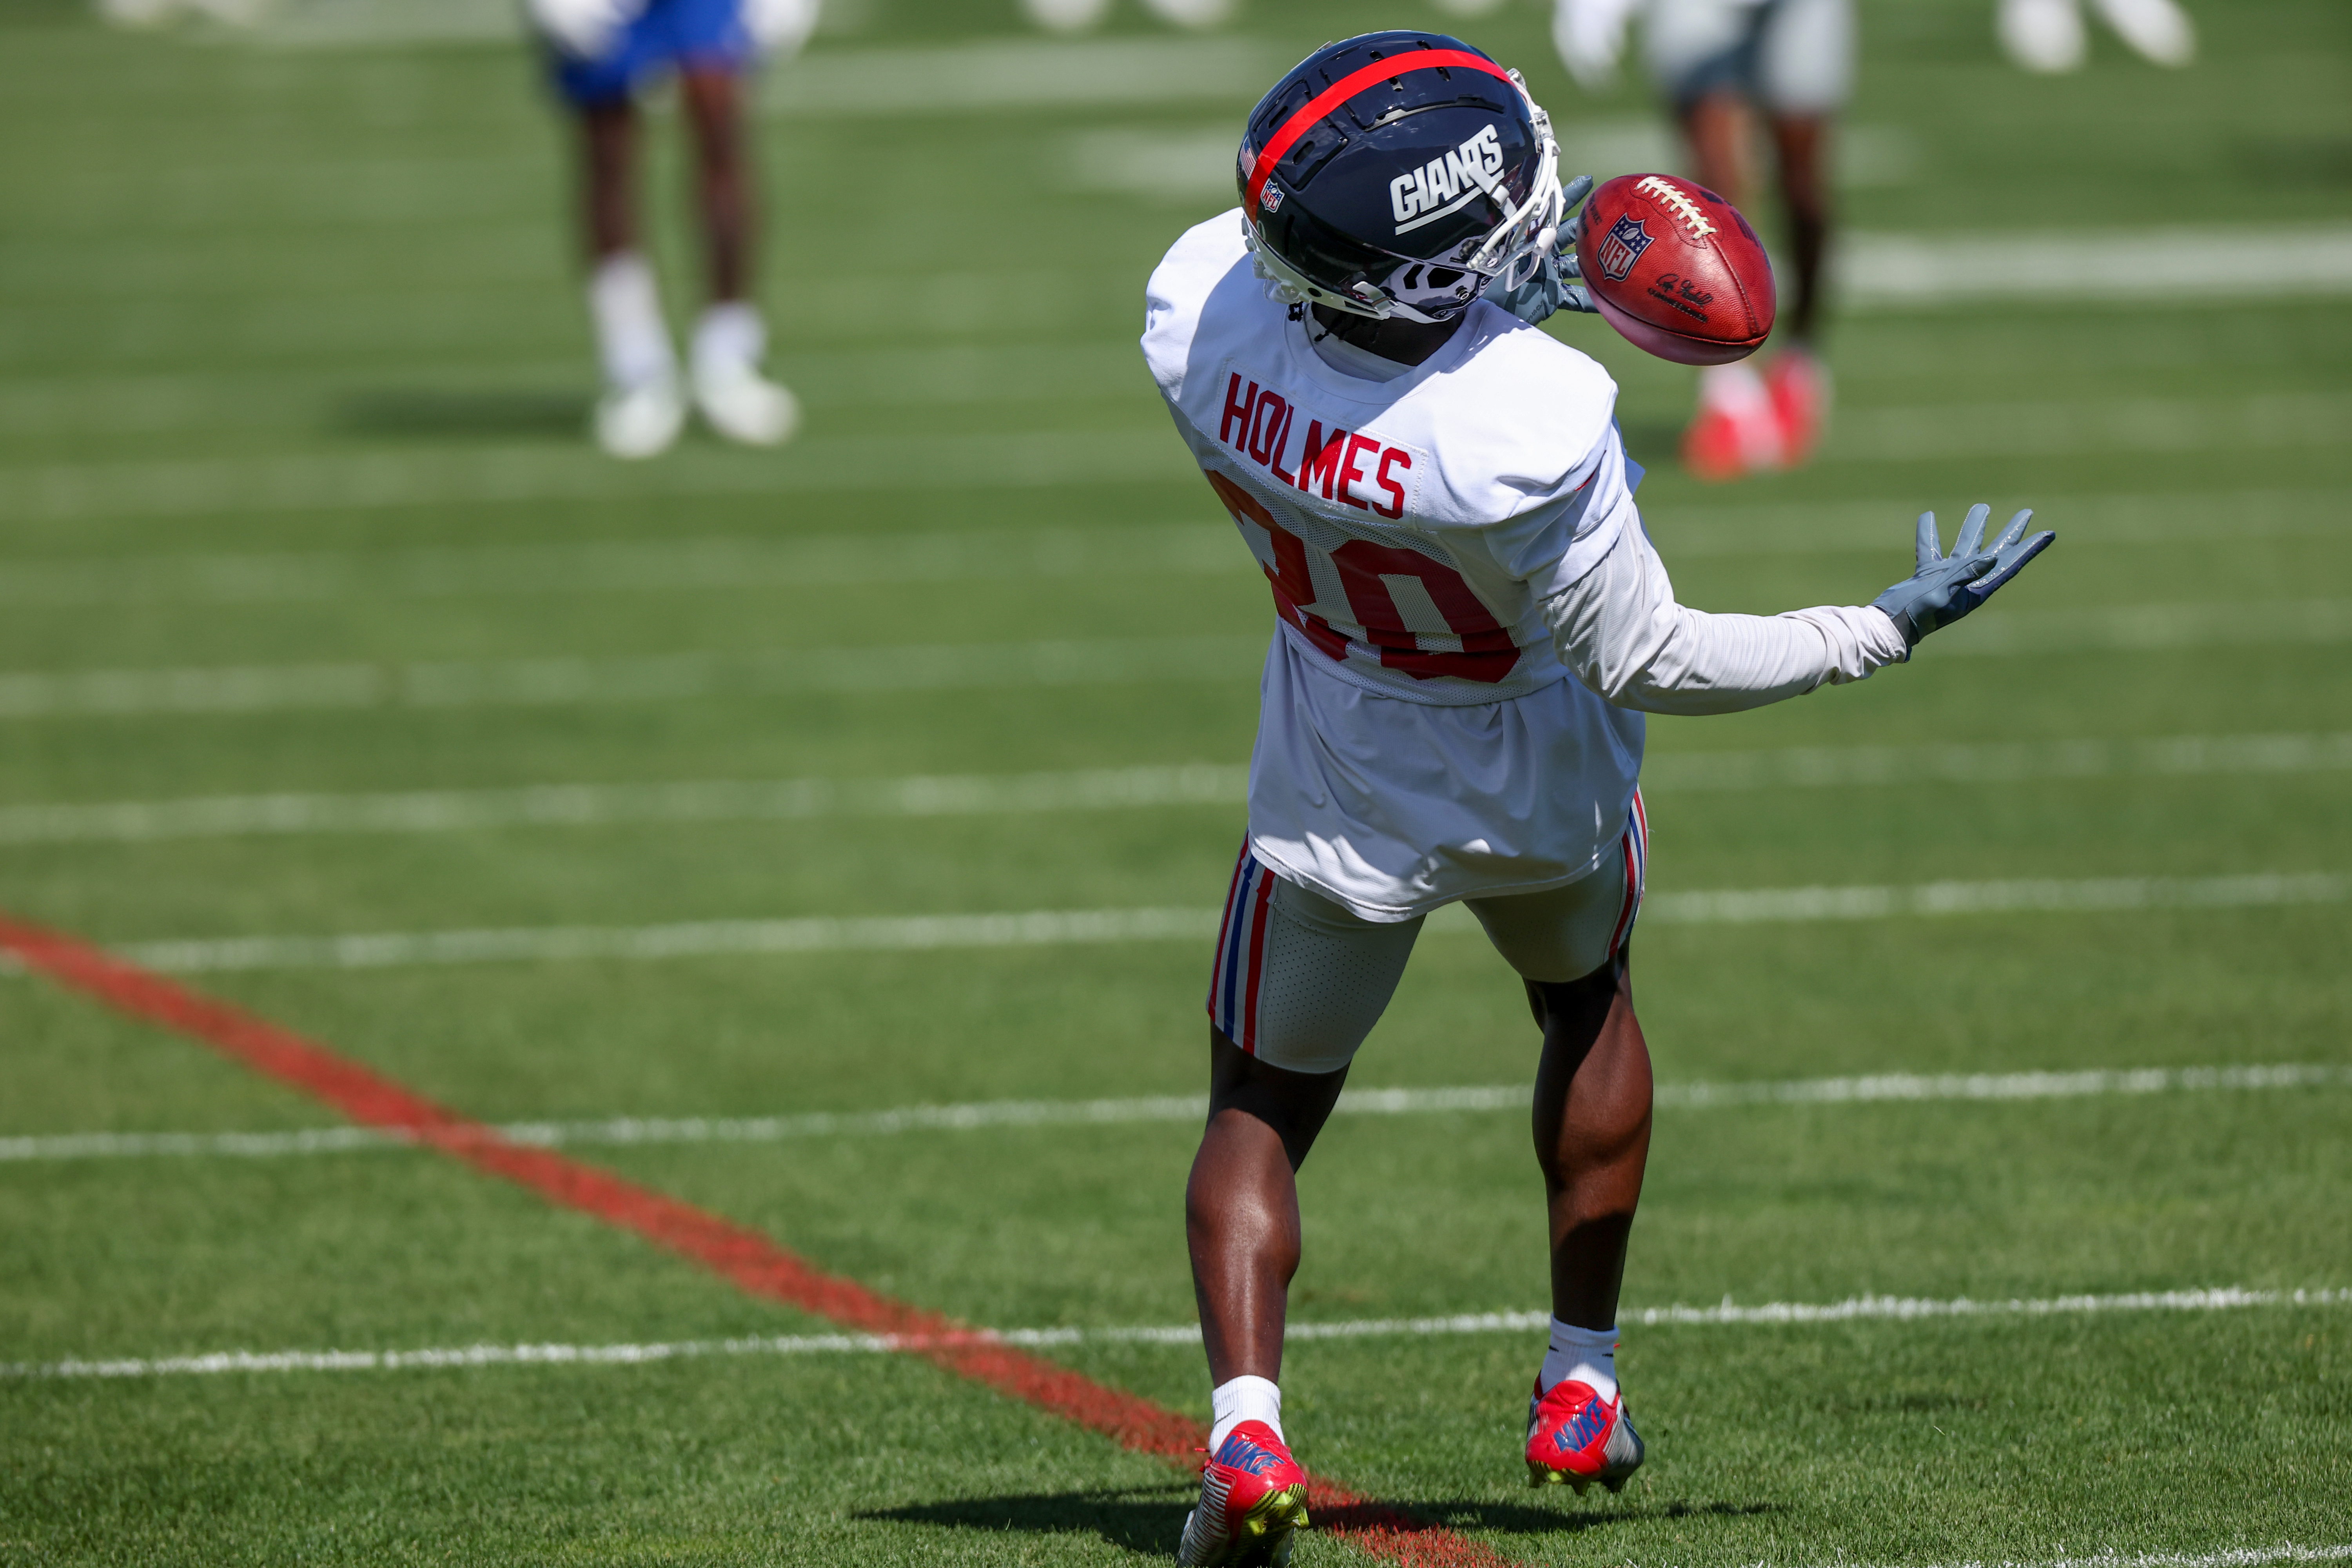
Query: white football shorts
[1298, 979]
[1790, 56]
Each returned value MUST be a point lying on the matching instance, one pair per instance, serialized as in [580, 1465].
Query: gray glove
[1946, 588]
[1548, 289]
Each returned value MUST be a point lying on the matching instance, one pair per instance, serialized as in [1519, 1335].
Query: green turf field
[295, 501]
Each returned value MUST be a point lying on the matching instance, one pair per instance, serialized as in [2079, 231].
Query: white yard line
[2127, 266]
[1792, 905]
[1103, 789]
[567, 681]
[2237, 1557]
[1852, 1310]
[2093, 519]
[2134, 425]
[491, 475]
[836, 561]
[1804, 767]
[847, 83]
[479, 475]
[35, 407]
[658, 678]
[1053, 928]
[1185, 164]
[1024, 73]
[1877, 1088]
[1203, 546]
[593, 806]
[820, 933]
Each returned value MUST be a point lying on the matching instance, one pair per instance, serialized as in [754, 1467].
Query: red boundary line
[749, 1260]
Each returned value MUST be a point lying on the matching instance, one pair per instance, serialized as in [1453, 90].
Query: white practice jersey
[1408, 527]
[1446, 547]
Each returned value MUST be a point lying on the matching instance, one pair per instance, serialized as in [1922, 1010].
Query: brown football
[1675, 269]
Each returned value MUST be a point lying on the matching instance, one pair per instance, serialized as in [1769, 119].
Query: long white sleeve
[1620, 632]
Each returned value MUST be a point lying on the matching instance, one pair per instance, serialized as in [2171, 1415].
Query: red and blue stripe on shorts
[1241, 952]
[1240, 965]
[1636, 845]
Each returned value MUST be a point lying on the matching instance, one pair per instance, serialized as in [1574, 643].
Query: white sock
[1243, 1399]
[1735, 388]
[1587, 1355]
[731, 336]
[632, 338]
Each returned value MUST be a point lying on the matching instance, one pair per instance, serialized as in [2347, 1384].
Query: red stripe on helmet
[1346, 87]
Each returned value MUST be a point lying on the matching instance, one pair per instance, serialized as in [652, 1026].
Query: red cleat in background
[1798, 385]
[1737, 430]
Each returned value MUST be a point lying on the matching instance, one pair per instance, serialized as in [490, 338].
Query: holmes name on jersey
[1333, 464]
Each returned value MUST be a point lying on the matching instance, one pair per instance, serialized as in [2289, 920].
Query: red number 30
[1487, 652]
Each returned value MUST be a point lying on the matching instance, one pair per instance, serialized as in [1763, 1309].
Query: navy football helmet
[1398, 174]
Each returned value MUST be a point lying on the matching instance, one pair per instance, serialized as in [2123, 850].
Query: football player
[1715, 62]
[1471, 625]
[601, 54]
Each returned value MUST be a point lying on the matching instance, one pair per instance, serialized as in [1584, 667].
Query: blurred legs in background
[645, 401]
[1725, 64]
[1749, 423]
[1722, 63]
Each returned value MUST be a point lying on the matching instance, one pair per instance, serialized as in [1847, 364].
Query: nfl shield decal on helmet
[1622, 247]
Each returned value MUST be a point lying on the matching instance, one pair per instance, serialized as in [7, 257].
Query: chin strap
[1287, 285]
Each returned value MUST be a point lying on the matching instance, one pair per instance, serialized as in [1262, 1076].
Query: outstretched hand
[1549, 287]
[1947, 587]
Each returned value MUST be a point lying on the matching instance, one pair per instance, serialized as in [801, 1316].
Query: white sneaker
[640, 421]
[2159, 29]
[1191, 12]
[744, 405]
[1066, 16]
[2044, 35]
[138, 13]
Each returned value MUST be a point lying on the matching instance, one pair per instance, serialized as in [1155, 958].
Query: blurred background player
[2048, 34]
[604, 53]
[1721, 63]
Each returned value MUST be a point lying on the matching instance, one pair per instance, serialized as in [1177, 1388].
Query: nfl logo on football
[1622, 247]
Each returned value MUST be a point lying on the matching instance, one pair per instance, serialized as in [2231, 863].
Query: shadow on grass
[1141, 1519]
[421, 412]
[1151, 1518]
[1533, 1519]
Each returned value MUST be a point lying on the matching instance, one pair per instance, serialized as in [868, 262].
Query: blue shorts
[666, 34]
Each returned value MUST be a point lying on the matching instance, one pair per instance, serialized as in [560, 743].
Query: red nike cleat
[1799, 387]
[1253, 1496]
[1575, 1438]
[1736, 431]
